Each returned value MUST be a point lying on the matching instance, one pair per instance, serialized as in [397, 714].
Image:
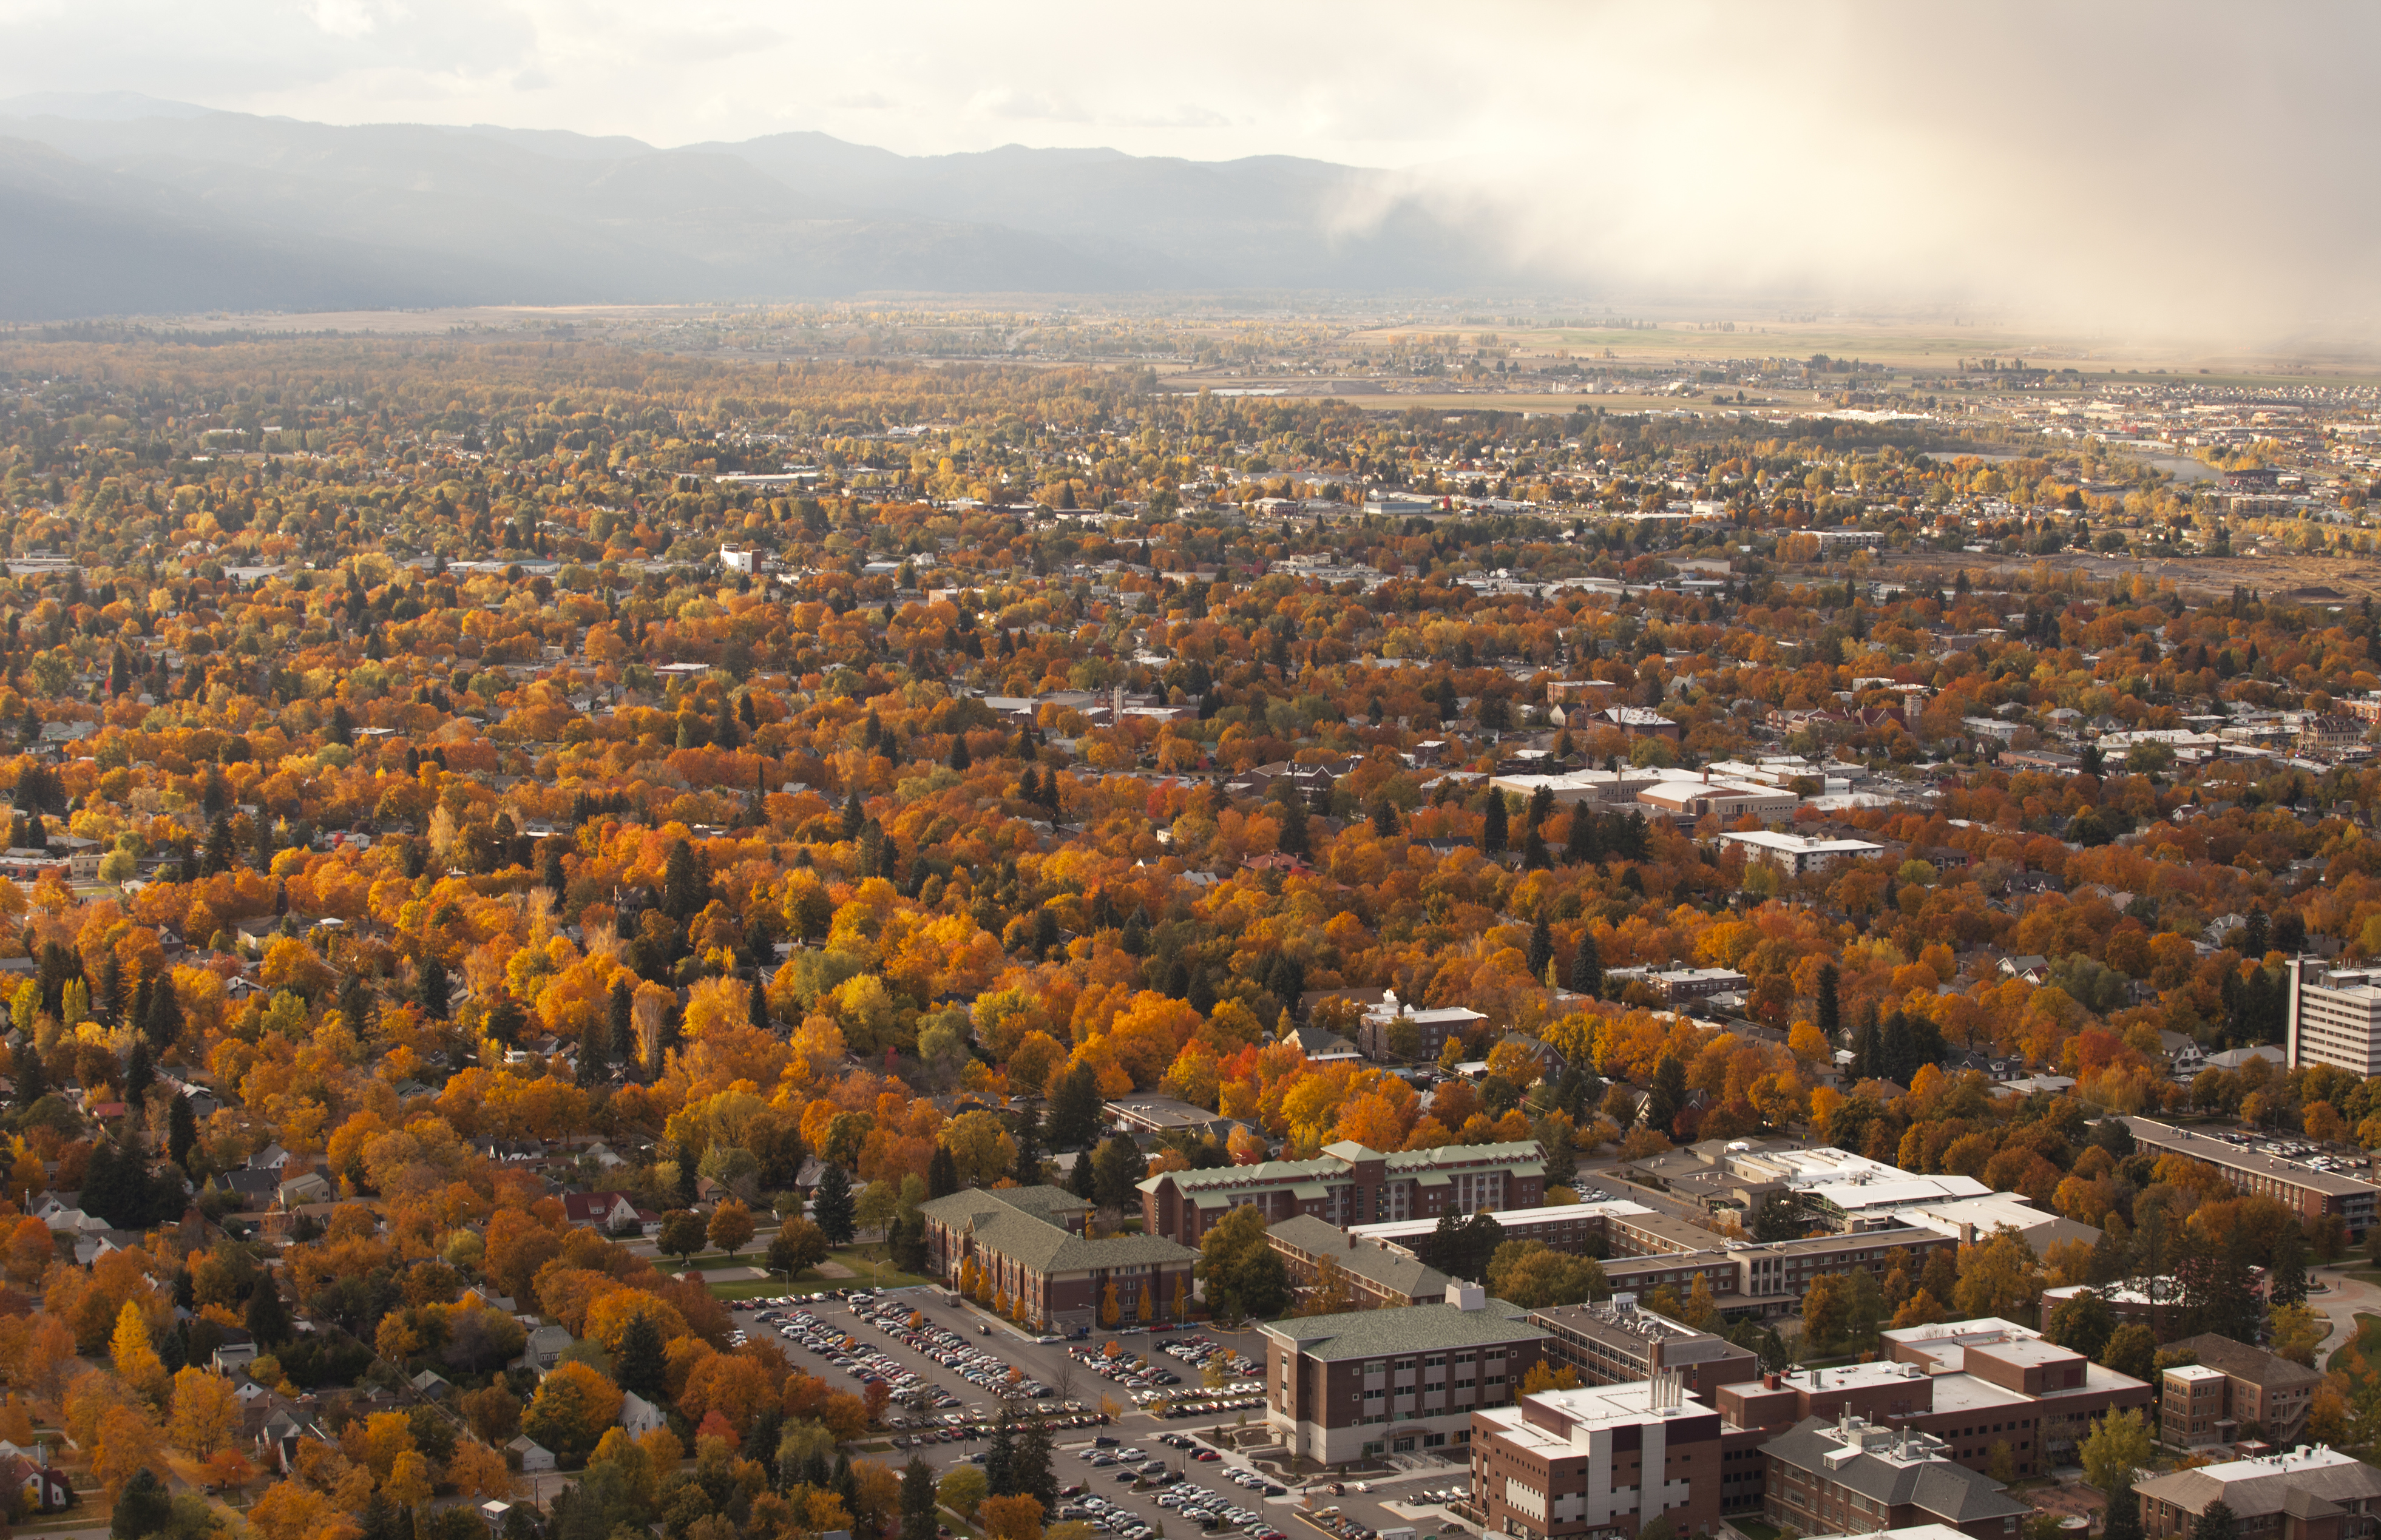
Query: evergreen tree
[942, 1173]
[1000, 1459]
[434, 991]
[1666, 1095]
[139, 1072]
[1583, 843]
[32, 1080]
[1587, 965]
[1030, 1472]
[832, 1207]
[1029, 1151]
[220, 855]
[1533, 853]
[1385, 819]
[1491, 824]
[2286, 1274]
[1074, 1109]
[686, 884]
[1080, 1181]
[267, 1317]
[550, 865]
[1830, 1012]
[918, 1501]
[2215, 1522]
[641, 1366]
[143, 1507]
[182, 1132]
[594, 1065]
[959, 760]
[1541, 945]
[623, 1024]
[756, 1010]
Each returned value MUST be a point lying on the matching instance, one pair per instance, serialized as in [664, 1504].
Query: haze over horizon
[2125, 169]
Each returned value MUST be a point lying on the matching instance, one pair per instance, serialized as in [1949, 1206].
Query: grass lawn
[2360, 1356]
[1755, 1528]
[861, 1260]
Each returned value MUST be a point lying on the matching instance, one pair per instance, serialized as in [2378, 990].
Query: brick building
[1850, 1477]
[2257, 1387]
[1373, 1382]
[1379, 1277]
[1616, 1343]
[1992, 1381]
[2306, 1494]
[1598, 1464]
[2314, 1194]
[1028, 1246]
[1348, 1184]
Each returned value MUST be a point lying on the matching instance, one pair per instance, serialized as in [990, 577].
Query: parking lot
[950, 1374]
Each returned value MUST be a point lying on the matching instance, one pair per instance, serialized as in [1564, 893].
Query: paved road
[2342, 1299]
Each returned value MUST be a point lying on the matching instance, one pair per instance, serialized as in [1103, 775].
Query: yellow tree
[479, 1471]
[136, 1362]
[409, 1480]
[205, 1413]
[1111, 1308]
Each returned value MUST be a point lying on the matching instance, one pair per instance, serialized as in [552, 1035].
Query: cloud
[2120, 165]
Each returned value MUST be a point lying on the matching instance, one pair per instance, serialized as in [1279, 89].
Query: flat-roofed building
[2312, 1193]
[1798, 854]
[1991, 1381]
[1688, 801]
[2190, 1406]
[2304, 1494]
[1617, 1343]
[1366, 1383]
[2335, 1017]
[1598, 1464]
[1850, 1476]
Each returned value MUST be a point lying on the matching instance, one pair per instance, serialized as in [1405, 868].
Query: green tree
[1244, 1275]
[832, 1207]
[2117, 1445]
[1115, 1168]
[1586, 962]
[143, 1507]
[2131, 1351]
[1074, 1109]
[642, 1368]
[2215, 1523]
[2083, 1322]
[917, 1520]
[1536, 1277]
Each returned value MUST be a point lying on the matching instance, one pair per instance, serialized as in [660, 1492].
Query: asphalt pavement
[1069, 1380]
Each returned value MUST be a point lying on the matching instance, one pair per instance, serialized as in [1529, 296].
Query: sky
[2126, 165]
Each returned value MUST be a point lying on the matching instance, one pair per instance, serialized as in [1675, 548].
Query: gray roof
[1393, 1270]
[2303, 1491]
[1420, 1327]
[1952, 1493]
[2243, 1361]
[1012, 1222]
[1337, 1159]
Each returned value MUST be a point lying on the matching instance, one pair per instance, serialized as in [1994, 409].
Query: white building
[2335, 1018]
[1798, 854]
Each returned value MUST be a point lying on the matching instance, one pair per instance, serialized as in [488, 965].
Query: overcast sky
[2176, 163]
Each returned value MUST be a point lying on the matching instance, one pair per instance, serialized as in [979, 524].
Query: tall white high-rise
[2335, 1017]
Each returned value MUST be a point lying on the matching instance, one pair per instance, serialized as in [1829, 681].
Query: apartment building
[1618, 1344]
[1798, 854]
[2314, 1194]
[1688, 801]
[1598, 1464]
[2335, 1017]
[1851, 1477]
[1348, 1184]
[1373, 1382]
[2249, 1387]
[1026, 1247]
[2304, 1494]
[1377, 1276]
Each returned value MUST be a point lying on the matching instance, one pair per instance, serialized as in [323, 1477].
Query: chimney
[1352, 1242]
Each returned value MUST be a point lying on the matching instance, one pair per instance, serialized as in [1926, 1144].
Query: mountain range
[119, 204]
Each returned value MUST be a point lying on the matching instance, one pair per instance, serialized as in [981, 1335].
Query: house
[249, 1189]
[533, 1456]
[1321, 1046]
[614, 1213]
[271, 1157]
[431, 1385]
[640, 1415]
[545, 1347]
[312, 1187]
[46, 1489]
[2032, 968]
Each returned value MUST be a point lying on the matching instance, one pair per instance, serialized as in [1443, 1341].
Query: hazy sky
[2171, 163]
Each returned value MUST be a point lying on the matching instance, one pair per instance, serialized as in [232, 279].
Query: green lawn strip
[1755, 1528]
[2360, 1357]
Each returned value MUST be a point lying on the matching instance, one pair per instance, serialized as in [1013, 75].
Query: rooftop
[1376, 1333]
[1550, 1420]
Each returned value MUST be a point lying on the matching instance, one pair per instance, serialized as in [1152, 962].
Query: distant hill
[120, 203]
